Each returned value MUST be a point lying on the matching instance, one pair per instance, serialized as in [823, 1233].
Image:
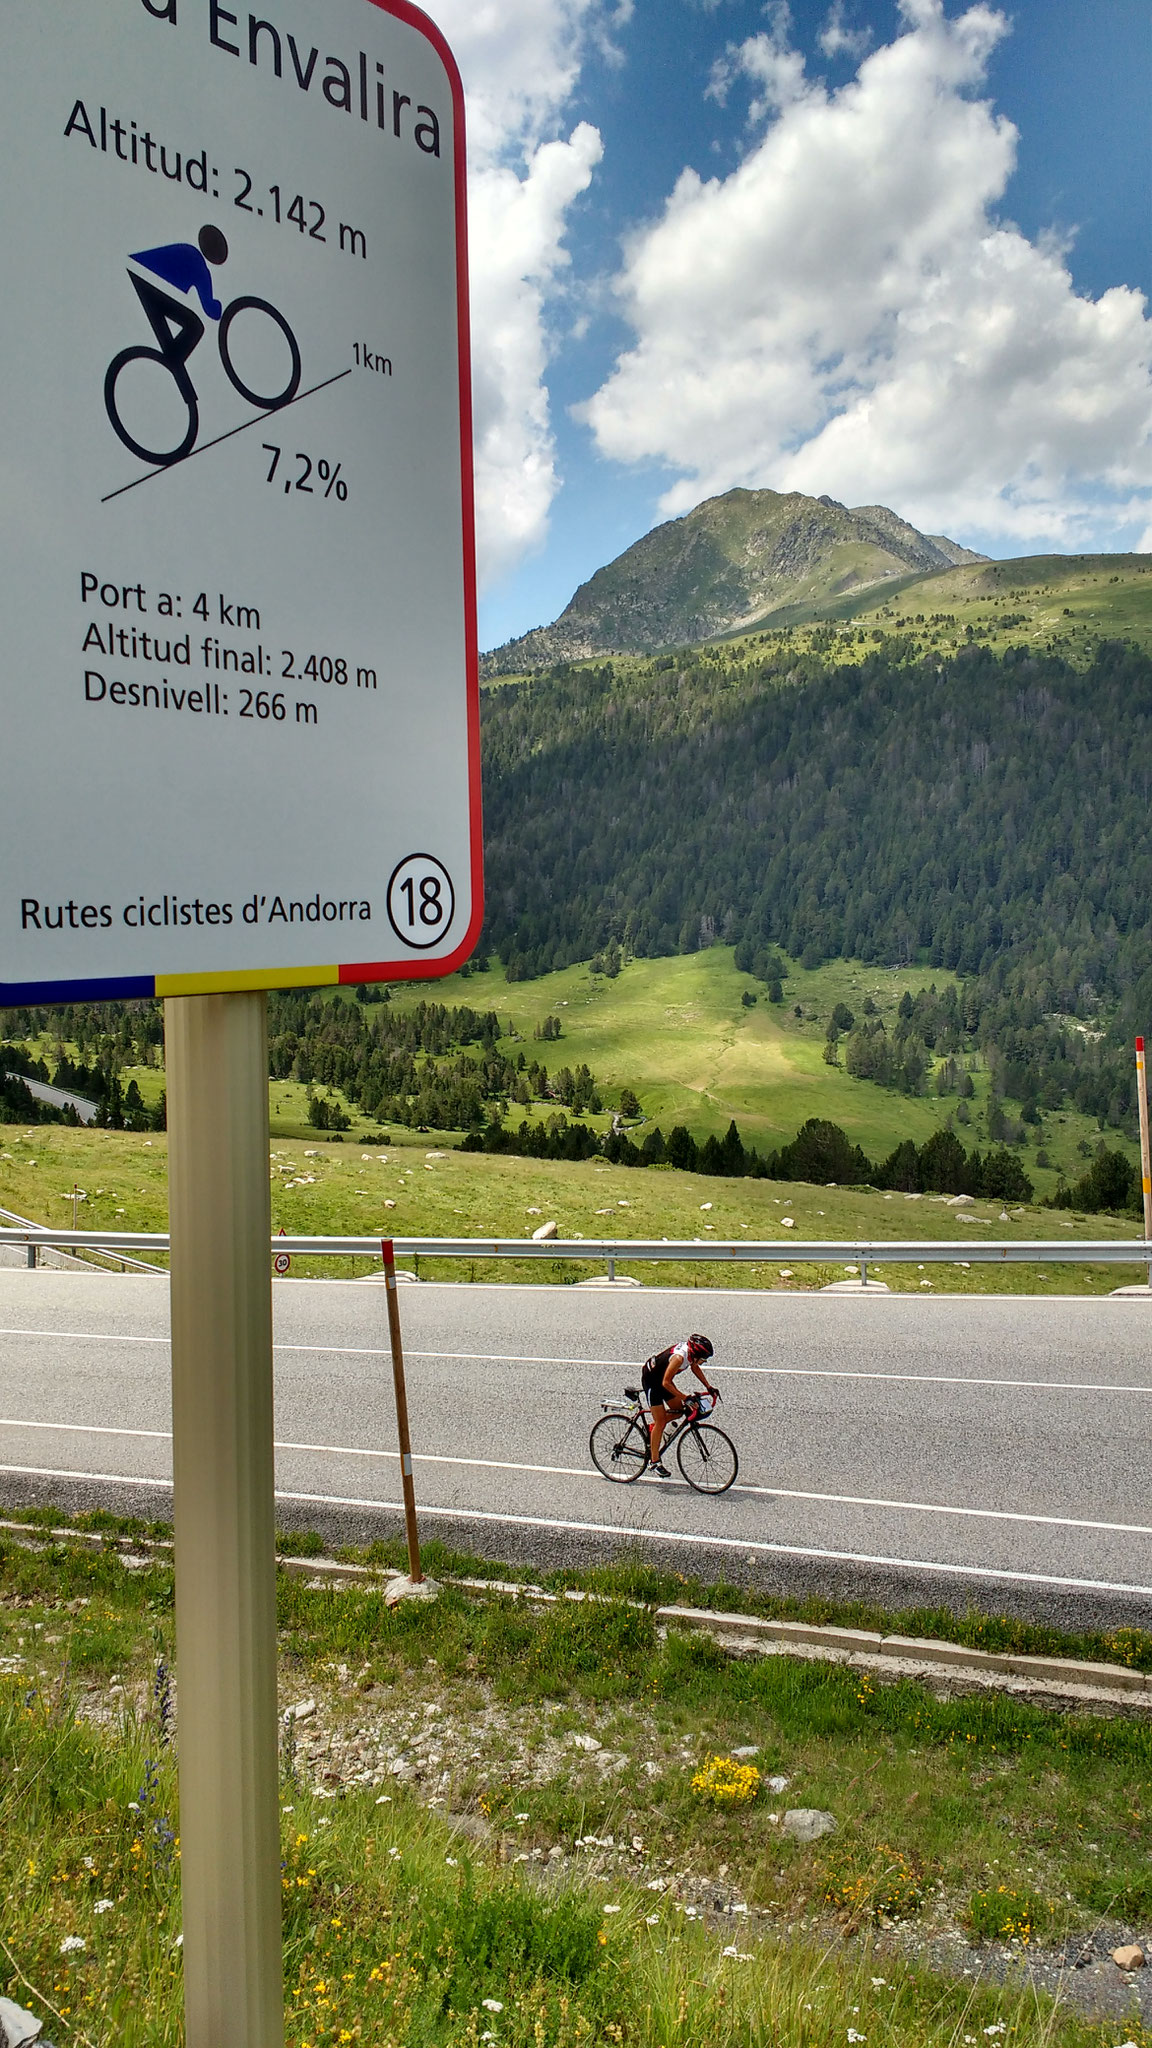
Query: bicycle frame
[693, 1412]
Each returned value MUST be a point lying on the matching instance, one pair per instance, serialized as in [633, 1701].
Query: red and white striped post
[415, 1573]
[1145, 1155]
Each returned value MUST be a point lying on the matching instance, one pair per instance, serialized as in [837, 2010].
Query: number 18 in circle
[421, 901]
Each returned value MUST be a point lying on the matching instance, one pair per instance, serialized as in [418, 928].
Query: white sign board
[238, 698]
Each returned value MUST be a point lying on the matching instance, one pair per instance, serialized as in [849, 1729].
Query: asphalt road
[970, 1451]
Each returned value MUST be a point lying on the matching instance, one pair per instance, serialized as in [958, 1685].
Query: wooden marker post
[414, 1571]
[222, 1460]
[1145, 1154]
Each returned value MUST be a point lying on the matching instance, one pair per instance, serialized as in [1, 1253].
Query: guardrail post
[32, 1258]
[863, 1270]
[611, 1269]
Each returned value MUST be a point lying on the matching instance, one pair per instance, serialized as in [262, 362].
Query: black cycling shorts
[652, 1381]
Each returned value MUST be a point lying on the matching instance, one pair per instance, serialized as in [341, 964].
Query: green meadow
[678, 1033]
[420, 1187]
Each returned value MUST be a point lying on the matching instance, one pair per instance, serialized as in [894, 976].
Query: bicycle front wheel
[707, 1458]
[619, 1447]
[269, 401]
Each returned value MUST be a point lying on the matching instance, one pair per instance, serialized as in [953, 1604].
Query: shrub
[1007, 1914]
[724, 1782]
[881, 1884]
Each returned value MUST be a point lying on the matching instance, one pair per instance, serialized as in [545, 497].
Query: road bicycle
[179, 330]
[620, 1448]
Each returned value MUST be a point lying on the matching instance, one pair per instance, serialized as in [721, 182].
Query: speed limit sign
[282, 1262]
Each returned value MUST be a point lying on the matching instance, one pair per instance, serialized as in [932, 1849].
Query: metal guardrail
[35, 1233]
[640, 1250]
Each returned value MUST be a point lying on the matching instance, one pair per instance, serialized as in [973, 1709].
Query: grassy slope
[677, 1032]
[421, 1189]
[969, 1818]
[1105, 596]
[1067, 602]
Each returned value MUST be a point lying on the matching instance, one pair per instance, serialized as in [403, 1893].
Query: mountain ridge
[726, 566]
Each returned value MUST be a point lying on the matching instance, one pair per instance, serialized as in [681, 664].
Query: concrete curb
[1116, 1684]
[856, 1643]
[803, 1638]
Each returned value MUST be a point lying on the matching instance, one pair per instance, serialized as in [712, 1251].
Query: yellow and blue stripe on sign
[120, 988]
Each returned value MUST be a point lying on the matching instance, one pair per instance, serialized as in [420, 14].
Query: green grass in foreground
[970, 1813]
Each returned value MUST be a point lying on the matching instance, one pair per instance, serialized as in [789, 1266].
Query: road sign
[237, 597]
[282, 1262]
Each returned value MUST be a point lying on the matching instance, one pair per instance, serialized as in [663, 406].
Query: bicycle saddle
[631, 1393]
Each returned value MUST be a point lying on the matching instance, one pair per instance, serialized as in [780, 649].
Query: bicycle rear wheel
[707, 1458]
[619, 1447]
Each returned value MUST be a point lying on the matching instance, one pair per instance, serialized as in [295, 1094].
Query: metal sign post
[415, 1572]
[217, 1065]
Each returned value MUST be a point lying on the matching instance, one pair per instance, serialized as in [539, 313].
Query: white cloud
[837, 40]
[517, 227]
[845, 313]
[520, 61]
[770, 61]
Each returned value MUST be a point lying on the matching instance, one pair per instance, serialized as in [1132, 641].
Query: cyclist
[661, 1393]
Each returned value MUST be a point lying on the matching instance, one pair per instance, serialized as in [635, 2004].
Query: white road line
[85, 1428]
[923, 1507]
[85, 1336]
[848, 1500]
[630, 1365]
[644, 1535]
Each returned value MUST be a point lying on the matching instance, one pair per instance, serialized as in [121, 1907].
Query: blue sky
[895, 252]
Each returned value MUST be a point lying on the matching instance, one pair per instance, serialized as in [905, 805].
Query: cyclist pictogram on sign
[179, 331]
